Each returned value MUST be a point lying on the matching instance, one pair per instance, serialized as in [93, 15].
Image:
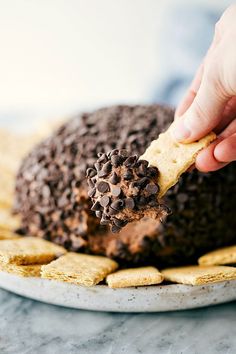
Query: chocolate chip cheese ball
[123, 189]
[53, 201]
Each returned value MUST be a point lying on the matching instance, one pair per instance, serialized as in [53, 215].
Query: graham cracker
[199, 275]
[173, 158]
[79, 269]
[21, 270]
[134, 277]
[29, 250]
[8, 221]
[8, 235]
[226, 255]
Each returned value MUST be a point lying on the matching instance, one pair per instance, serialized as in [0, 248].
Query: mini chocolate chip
[143, 163]
[124, 153]
[112, 211]
[129, 203]
[130, 161]
[119, 222]
[107, 167]
[90, 183]
[116, 160]
[113, 152]
[103, 187]
[143, 181]
[102, 173]
[104, 201]
[103, 158]
[152, 171]
[114, 179]
[115, 191]
[142, 201]
[91, 172]
[98, 166]
[152, 188]
[128, 175]
[91, 192]
[182, 197]
[98, 214]
[117, 204]
[96, 206]
[115, 229]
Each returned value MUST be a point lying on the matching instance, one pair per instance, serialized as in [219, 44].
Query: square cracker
[29, 250]
[7, 235]
[21, 270]
[198, 275]
[134, 277]
[8, 221]
[79, 269]
[226, 255]
[173, 158]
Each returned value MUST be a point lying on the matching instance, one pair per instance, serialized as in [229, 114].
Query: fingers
[220, 152]
[203, 115]
[206, 161]
[225, 151]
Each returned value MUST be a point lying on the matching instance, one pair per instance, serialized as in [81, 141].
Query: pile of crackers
[35, 257]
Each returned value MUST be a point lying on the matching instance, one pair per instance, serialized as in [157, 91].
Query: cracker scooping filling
[125, 188]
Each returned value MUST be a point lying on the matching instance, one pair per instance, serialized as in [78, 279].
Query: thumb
[204, 113]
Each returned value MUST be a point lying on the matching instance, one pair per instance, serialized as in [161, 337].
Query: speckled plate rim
[101, 298]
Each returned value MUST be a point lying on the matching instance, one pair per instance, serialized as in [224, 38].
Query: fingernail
[180, 131]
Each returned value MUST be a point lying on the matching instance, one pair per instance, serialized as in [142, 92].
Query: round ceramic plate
[101, 298]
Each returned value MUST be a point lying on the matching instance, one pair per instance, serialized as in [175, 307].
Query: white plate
[101, 298]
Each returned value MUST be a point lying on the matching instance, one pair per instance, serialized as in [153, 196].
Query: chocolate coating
[52, 193]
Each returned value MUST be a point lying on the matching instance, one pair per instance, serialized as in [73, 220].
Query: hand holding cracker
[124, 188]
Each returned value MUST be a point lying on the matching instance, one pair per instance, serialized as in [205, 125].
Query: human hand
[210, 103]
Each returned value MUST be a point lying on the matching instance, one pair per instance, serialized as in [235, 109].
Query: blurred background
[59, 57]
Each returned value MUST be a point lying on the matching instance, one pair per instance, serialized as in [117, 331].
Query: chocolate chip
[113, 152]
[141, 201]
[98, 166]
[96, 206]
[119, 222]
[102, 173]
[124, 153]
[115, 191]
[103, 187]
[104, 201]
[92, 192]
[91, 172]
[182, 197]
[152, 171]
[152, 188]
[143, 163]
[112, 211]
[107, 167]
[143, 182]
[90, 183]
[103, 158]
[129, 203]
[116, 160]
[130, 161]
[117, 204]
[115, 229]
[128, 175]
[114, 179]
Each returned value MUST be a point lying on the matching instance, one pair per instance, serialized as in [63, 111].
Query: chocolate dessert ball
[52, 193]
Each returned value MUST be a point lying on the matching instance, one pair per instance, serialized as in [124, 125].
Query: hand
[210, 103]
